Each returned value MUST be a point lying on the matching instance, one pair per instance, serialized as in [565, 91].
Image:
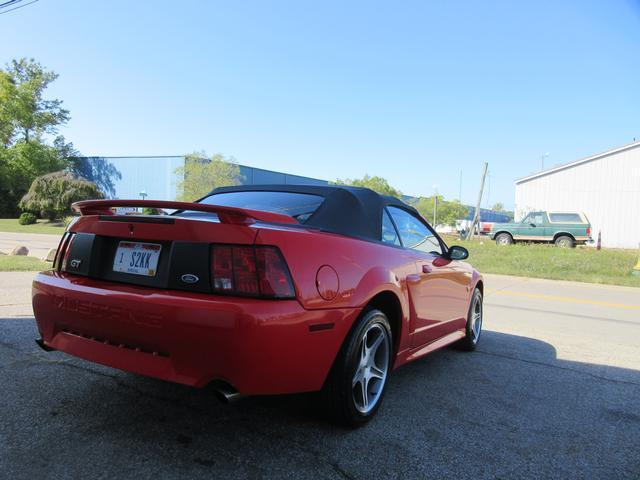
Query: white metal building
[606, 187]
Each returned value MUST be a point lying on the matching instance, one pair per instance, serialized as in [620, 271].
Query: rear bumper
[258, 346]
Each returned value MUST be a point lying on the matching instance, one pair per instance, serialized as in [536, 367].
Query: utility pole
[542, 157]
[435, 205]
[476, 217]
[460, 190]
[435, 211]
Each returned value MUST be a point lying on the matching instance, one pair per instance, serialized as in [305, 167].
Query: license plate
[137, 258]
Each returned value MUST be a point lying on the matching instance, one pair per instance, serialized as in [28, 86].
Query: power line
[18, 7]
[10, 2]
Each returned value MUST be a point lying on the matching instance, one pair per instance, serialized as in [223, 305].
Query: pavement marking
[557, 298]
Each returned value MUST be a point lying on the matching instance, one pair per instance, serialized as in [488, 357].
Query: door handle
[426, 269]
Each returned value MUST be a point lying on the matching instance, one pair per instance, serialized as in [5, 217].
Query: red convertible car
[267, 289]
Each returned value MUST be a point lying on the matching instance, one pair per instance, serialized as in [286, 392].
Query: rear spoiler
[238, 216]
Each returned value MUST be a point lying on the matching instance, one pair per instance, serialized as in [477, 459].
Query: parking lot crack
[11, 347]
[16, 362]
[139, 392]
[320, 457]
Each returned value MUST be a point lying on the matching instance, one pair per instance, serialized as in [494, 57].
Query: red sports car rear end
[264, 290]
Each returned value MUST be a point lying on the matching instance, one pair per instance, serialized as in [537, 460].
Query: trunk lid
[182, 240]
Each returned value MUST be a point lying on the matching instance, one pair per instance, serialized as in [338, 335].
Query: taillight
[273, 274]
[251, 271]
[588, 231]
[222, 268]
[63, 249]
[67, 252]
[245, 274]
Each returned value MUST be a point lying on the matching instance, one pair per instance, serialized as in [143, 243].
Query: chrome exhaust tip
[227, 394]
[44, 346]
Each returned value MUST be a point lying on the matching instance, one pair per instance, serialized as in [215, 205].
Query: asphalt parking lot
[553, 391]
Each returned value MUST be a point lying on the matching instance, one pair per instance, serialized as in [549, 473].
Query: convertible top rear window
[345, 210]
[297, 205]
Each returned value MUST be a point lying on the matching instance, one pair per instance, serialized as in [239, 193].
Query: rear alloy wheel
[504, 239]
[355, 387]
[371, 372]
[564, 241]
[474, 323]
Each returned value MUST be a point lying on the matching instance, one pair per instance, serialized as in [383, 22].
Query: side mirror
[456, 252]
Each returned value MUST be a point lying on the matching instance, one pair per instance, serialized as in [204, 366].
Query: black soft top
[352, 211]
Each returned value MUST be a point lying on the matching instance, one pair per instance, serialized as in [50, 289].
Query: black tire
[564, 241]
[504, 239]
[338, 397]
[470, 341]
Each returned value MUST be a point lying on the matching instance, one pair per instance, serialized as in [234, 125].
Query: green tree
[200, 175]
[19, 166]
[51, 195]
[452, 211]
[447, 211]
[28, 122]
[377, 184]
[7, 107]
[498, 207]
[26, 115]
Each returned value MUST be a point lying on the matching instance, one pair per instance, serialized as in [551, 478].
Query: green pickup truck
[564, 229]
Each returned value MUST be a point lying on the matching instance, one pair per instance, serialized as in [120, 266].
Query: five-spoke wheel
[371, 372]
[474, 322]
[355, 387]
[476, 318]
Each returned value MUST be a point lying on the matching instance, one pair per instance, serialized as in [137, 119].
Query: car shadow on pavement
[510, 407]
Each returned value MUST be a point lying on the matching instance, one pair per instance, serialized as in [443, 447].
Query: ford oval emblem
[189, 278]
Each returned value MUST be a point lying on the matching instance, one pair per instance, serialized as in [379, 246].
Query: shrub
[151, 211]
[52, 194]
[27, 218]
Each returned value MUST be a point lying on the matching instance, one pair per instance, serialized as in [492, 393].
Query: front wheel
[504, 239]
[473, 329]
[355, 387]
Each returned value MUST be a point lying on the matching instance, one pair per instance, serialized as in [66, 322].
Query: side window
[413, 233]
[536, 218]
[565, 218]
[389, 234]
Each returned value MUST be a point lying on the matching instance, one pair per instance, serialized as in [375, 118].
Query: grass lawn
[18, 263]
[581, 264]
[43, 226]
[609, 266]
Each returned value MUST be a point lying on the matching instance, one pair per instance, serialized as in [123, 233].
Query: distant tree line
[31, 147]
[447, 212]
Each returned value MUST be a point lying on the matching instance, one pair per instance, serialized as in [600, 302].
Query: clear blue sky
[411, 91]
